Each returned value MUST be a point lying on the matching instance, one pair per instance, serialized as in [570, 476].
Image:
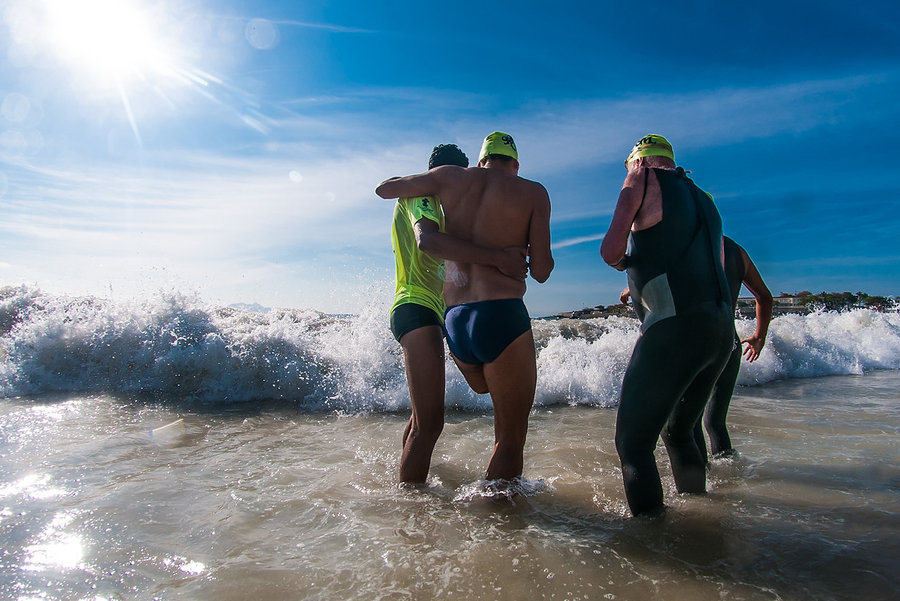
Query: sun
[142, 54]
[111, 41]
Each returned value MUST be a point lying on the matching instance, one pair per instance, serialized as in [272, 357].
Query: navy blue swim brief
[478, 332]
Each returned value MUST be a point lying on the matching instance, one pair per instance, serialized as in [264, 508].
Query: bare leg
[511, 379]
[474, 375]
[423, 354]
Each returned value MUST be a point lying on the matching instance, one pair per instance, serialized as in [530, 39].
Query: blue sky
[232, 148]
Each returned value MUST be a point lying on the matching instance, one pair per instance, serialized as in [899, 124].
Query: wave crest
[176, 347]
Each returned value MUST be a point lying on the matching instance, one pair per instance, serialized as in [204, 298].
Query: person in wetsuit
[739, 269]
[672, 233]
[420, 244]
[488, 328]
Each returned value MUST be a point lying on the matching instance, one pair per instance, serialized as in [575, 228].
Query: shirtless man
[488, 327]
[417, 315]
[672, 233]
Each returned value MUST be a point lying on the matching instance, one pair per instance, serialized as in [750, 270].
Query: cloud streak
[323, 26]
[576, 241]
[290, 207]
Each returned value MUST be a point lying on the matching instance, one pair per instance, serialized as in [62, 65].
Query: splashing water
[175, 346]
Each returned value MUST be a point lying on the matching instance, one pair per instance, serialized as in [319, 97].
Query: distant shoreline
[801, 303]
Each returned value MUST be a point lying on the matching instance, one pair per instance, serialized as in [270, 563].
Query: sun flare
[111, 40]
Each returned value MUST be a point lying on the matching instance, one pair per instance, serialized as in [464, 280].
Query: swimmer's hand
[625, 295]
[513, 263]
[754, 347]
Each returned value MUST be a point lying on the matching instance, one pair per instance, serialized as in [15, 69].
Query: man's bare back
[490, 207]
[487, 324]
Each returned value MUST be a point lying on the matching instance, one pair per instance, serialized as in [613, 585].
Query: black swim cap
[447, 154]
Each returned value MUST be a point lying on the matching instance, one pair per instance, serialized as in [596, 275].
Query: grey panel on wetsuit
[656, 294]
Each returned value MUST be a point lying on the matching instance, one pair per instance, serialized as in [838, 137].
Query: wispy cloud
[556, 136]
[294, 210]
[262, 202]
[575, 241]
[565, 135]
[325, 26]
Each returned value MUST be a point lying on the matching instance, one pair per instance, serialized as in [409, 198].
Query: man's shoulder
[638, 174]
[533, 183]
[535, 189]
[448, 171]
[518, 180]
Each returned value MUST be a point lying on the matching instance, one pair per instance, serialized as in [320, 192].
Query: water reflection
[56, 547]
[34, 486]
[185, 565]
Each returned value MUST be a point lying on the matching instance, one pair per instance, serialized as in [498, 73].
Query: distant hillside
[785, 303]
[834, 301]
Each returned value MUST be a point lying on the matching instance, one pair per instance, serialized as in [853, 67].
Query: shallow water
[276, 503]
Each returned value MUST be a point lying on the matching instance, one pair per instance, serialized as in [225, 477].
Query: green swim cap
[498, 143]
[651, 145]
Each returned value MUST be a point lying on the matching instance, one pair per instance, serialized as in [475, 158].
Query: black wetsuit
[680, 292]
[717, 407]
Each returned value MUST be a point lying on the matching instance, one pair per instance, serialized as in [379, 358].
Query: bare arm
[510, 261]
[615, 242]
[421, 184]
[540, 257]
[754, 283]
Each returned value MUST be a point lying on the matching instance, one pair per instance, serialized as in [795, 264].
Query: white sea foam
[824, 343]
[175, 346]
[501, 490]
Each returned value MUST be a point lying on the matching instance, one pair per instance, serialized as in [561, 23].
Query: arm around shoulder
[392, 188]
[510, 261]
[420, 184]
[383, 191]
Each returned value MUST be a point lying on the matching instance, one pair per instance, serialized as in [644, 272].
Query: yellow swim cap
[498, 143]
[651, 145]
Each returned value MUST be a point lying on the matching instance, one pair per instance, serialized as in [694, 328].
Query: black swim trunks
[409, 316]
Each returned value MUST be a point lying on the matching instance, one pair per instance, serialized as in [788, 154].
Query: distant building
[782, 305]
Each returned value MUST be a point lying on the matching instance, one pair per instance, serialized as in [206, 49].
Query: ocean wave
[174, 346]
